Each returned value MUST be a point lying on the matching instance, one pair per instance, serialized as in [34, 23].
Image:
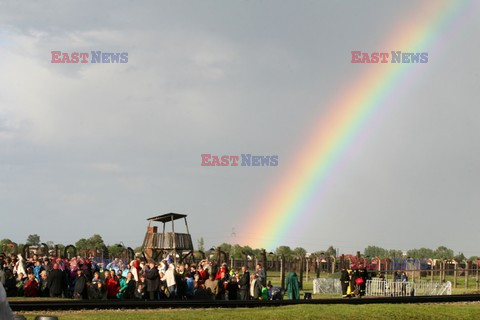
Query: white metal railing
[389, 288]
[380, 287]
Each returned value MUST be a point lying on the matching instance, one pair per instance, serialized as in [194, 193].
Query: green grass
[358, 312]
[12, 299]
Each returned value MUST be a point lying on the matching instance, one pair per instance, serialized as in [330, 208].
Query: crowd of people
[85, 278]
[353, 281]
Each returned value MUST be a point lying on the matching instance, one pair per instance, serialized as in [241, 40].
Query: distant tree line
[95, 241]
[238, 252]
[441, 252]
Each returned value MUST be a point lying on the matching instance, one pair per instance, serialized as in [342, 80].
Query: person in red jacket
[202, 272]
[222, 269]
[136, 264]
[30, 288]
[112, 285]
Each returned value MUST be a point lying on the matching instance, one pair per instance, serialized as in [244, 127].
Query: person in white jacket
[133, 270]
[5, 311]
[20, 265]
[170, 278]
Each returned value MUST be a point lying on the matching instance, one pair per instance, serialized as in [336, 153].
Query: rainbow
[335, 133]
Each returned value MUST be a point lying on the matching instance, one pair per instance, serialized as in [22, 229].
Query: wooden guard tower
[157, 246]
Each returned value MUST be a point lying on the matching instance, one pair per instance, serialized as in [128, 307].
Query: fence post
[455, 276]
[431, 272]
[302, 259]
[476, 285]
[467, 274]
[306, 269]
[444, 265]
[282, 271]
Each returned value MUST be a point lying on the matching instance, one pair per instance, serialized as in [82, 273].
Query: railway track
[65, 305]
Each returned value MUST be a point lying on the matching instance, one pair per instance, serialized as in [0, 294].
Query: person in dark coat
[262, 275]
[139, 291]
[232, 288]
[10, 283]
[55, 282]
[80, 288]
[87, 269]
[152, 281]
[363, 274]
[244, 284]
[43, 285]
[92, 291]
[344, 281]
[30, 287]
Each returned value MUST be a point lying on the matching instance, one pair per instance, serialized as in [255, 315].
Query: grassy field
[360, 312]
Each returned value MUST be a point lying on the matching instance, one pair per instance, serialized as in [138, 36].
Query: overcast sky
[98, 148]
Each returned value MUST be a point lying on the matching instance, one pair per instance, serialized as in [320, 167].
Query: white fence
[326, 286]
[433, 288]
[378, 287]
[389, 288]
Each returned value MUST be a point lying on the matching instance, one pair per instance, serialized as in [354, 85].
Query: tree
[96, 241]
[443, 253]
[285, 250]
[93, 242]
[257, 253]
[33, 240]
[374, 251]
[392, 253]
[116, 250]
[248, 250]
[299, 252]
[422, 253]
[460, 257]
[236, 251]
[331, 251]
[225, 247]
[3, 244]
[81, 244]
[201, 244]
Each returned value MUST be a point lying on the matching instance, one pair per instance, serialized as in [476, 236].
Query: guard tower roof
[167, 217]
